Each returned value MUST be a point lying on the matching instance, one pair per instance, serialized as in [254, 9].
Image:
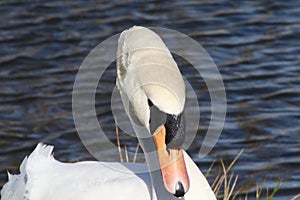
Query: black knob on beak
[179, 190]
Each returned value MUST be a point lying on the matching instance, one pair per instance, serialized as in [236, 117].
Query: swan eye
[150, 103]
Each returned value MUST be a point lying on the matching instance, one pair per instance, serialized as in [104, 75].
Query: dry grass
[224, 185]
[125, 148]
[228, 181]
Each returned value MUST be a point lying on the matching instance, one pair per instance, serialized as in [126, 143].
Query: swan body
[43, 177]
[149, 80]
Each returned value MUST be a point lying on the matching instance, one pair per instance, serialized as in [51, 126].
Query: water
[254, 43]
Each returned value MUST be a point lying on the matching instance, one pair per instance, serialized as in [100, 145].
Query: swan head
[153, 94]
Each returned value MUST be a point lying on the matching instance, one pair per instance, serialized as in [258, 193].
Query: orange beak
[174, 173]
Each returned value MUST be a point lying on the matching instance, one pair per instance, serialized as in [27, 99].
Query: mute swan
[153, 95]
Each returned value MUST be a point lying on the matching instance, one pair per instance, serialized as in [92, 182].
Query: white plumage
[43, 177]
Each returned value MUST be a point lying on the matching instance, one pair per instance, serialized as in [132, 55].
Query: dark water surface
[254, 43]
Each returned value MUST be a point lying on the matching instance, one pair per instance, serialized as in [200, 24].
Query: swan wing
[43, 177]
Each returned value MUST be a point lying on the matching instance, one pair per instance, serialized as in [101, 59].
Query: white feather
[49, 179]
